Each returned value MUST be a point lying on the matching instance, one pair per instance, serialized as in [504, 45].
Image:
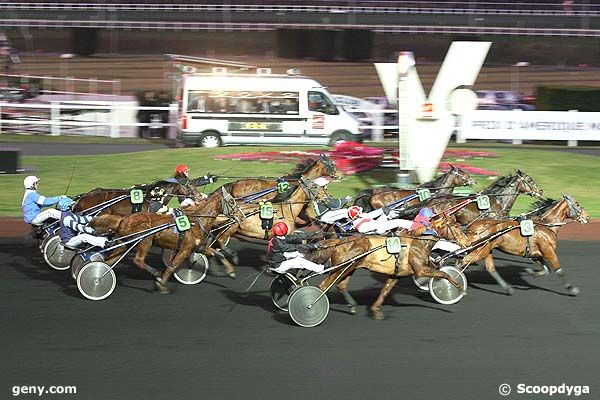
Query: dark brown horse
[123, 208]
[371, 199]
[310, 168]
[415, 261]
[202, 216]
[540, 247]
[502, 195]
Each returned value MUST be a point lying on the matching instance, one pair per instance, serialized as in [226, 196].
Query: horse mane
[542, 205]
[301, 168]
[434, 182]
[499, 184]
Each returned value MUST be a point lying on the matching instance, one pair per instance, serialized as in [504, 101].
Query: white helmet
[30, 181]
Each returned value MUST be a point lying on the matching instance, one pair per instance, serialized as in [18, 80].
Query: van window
[242, 102]
[317, 101]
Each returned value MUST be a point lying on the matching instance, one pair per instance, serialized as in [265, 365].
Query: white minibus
[257, 109]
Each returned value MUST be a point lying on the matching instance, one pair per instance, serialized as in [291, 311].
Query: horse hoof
[232, 275]
[510, 291]
[352, 310]
[376, 315]
[574, 290]
[160, 288]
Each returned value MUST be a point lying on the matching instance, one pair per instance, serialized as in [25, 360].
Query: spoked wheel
[96, 280]
[302, 310]
[193, 270]
[55, 254]
[78, 261]
[281, 287]
[443, 291]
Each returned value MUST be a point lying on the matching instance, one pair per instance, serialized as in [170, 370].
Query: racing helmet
[181, 169]
[280, 229]
[65, 204]
[30, 181]
[355, 212]
[426, 212]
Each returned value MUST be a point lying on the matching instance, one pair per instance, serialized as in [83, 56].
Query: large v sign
[428, 138]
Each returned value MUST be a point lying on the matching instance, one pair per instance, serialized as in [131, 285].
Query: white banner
[530, 125]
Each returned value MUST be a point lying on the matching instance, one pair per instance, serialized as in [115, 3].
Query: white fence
[530, 125]
[114, 119]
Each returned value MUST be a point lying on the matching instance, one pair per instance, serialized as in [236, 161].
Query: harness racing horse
[502, 195]
[371, 199]
[96, 197]
[286, 211]
[309, 168]
[539, 247]
[202, 216]
[416, 262]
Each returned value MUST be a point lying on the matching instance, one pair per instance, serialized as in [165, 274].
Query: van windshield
[318, 101]
[242, 102]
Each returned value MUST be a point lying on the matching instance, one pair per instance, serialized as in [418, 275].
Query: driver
[73, 230]
[33, 202]
[283, 252]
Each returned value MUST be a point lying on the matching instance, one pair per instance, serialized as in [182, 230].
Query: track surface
[211, 341]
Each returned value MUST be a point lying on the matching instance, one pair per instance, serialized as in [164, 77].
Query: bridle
[574, 211]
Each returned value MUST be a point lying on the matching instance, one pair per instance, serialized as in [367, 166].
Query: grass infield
[556, 172]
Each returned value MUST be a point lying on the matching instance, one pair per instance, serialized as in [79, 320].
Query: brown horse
[371, 199]
[310, 168]
[502, 195]
[540, 247]
[123, 208]
[415, 260]
[202, 216]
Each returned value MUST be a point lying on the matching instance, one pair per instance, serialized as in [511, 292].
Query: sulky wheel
[80, 259]
[302, 310]
[443, 291]
[96, 280]
[193, 270]
[421, 283]
[281, 287]
[55, 254]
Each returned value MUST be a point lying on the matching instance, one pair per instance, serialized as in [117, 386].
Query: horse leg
[342, 287]
[229, 268]
[161, 283]
[491, 269]
[429, 272]
[140, 257]
[375, 310]
[555, 265]
[543, 272]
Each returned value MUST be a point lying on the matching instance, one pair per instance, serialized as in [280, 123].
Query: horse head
[329, 165]
[460, 177]
[575, 211]
[525, 184]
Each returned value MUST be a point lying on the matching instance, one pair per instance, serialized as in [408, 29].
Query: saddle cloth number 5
[182, 223]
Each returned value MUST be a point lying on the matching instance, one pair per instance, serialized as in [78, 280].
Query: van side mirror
[332, 110]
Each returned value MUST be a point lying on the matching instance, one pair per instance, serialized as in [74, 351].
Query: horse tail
[363, 200]
[106, 223]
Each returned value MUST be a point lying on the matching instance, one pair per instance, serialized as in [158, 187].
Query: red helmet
[354, 212]
[181, 169]
[280, 229]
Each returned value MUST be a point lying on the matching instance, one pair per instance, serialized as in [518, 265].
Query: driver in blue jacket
[33, 202]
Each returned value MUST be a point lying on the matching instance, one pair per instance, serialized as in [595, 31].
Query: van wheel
[338, 137]
[210, 139]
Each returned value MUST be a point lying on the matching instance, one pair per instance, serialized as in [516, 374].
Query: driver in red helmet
[284, 251]
[181, 176]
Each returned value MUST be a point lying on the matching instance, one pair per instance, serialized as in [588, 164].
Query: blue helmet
[65, 204]
[426, 212]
